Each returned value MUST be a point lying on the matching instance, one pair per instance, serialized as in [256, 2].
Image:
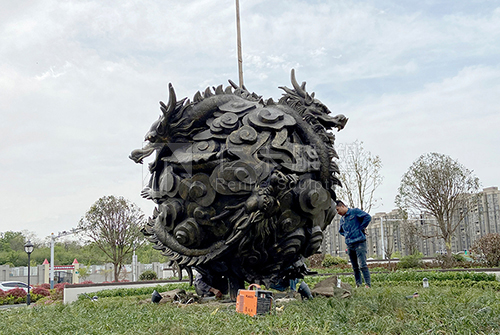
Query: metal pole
[382, 236]
[134, 266]
[52, 240]
[238, 33]
[28, 297]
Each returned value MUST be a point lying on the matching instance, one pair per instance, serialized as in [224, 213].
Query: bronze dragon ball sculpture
[244, 187]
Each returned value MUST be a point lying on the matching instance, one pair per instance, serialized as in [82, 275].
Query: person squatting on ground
[204, 286]
[352, 226]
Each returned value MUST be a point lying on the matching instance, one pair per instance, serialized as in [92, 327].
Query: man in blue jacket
[352, 226]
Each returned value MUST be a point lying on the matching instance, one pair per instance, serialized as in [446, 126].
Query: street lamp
[134, 262]
[28, 247]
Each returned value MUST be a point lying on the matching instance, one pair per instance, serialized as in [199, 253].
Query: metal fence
[96, 273]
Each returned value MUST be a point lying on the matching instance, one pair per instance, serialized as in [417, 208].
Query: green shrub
[148, 275]
[396, 254]
[35, 297]
[330, 261]
[41, 291]
[411, 261]
[456, 260]
[17, 292]
[488, 249]
[9, 300]
[44, 285]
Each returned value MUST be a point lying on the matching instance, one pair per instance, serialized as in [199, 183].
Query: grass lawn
[382, 309]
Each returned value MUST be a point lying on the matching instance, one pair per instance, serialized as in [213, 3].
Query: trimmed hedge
[410, 262]
[463, 283]
[128, 292]
[148, 275]
[432, 275]
[41, 291]
[11, 299]
[330, 261]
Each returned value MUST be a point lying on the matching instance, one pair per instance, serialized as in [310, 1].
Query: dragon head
[310, 107]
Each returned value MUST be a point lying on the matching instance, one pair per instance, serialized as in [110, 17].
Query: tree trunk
[449, 254]
[117, 268]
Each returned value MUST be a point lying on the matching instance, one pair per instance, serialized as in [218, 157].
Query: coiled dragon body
[244, 187]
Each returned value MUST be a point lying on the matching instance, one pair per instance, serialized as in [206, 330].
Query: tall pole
[28, 296]
[382, 236]
[134, 265]
[238, 33]
[52, 241]
[28, 247]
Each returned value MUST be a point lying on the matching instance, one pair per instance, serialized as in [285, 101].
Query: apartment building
[401, 235]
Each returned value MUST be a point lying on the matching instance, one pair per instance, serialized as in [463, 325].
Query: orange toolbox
[253, 302]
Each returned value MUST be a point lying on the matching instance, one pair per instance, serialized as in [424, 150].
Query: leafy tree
[84, 272]
[113, 224]
[11, 240]
[91, 254]
[436, 184]
[146, 254]
[360, 176]
[65, 251]
[11, 258]
[12, 248]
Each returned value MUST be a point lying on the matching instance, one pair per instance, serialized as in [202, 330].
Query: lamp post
[52, 242]
[28, 247]
[134, 263]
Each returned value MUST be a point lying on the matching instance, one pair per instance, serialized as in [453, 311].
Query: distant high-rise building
[483, 217]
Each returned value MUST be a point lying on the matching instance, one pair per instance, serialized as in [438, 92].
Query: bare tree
[488, 249]
[409, 232]
[113, 224]
[389, 247]
[436, 184]
[359, 174]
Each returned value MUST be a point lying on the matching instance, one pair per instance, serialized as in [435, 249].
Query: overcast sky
[80, 83]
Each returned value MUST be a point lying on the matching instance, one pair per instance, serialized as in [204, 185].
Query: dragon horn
[300, 91]
[233, 84]
[243, 88]
[172, 100]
